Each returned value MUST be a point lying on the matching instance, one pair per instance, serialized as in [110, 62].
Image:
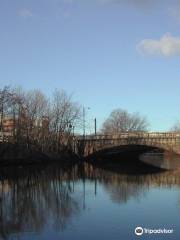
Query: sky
[108, 53]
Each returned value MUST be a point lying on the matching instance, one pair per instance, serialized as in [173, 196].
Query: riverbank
[13, 154]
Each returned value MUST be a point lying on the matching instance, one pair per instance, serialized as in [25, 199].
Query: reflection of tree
[27, 203]
[123, 187]
[122, 192]
[31, 199]
[120, 187]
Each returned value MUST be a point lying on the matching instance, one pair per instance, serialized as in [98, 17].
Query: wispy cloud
[166, 46]
[25, 13]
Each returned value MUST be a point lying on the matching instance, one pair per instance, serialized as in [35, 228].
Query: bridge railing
[131, 135]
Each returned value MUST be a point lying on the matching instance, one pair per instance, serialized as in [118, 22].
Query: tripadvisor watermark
[140, 231]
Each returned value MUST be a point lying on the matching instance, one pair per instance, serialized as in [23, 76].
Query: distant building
[7, 125]
[10, 124]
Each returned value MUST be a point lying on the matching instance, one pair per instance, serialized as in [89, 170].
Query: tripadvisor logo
[139, 231]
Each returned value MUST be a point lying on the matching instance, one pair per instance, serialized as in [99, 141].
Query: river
[86, 202]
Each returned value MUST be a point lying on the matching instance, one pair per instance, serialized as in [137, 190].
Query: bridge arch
[91, 145]
[92, 149]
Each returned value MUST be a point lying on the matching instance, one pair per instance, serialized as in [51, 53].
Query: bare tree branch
[122, 121]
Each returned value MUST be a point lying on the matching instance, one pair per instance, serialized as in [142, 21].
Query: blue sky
[108, 53]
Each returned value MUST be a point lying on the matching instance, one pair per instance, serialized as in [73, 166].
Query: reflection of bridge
[92, 144]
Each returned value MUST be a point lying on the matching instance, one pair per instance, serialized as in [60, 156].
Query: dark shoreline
[36, 162]
[13, 155]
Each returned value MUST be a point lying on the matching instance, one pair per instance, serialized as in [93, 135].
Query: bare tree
[64, 116]
[122, 121]
[37, 112]
[4, 105]
[11, 110]
[32, 119]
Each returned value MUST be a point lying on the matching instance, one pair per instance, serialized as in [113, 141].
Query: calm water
[88, 203]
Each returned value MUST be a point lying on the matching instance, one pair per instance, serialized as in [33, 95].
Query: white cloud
[24, 12]
[166, 46]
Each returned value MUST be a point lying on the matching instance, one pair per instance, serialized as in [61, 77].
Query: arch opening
[123, 150]
[126, 158]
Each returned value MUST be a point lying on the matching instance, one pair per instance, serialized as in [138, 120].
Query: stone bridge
[89, 145]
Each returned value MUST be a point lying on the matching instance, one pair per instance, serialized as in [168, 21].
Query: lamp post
[84, 121]
[84, 125]
[95, 127]
[71, 129]
[74, 146]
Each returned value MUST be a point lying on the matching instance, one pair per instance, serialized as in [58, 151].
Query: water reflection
[123, 187]
[167, 160]
[32, 200]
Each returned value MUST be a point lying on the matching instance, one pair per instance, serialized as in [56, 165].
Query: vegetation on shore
[35, 126]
